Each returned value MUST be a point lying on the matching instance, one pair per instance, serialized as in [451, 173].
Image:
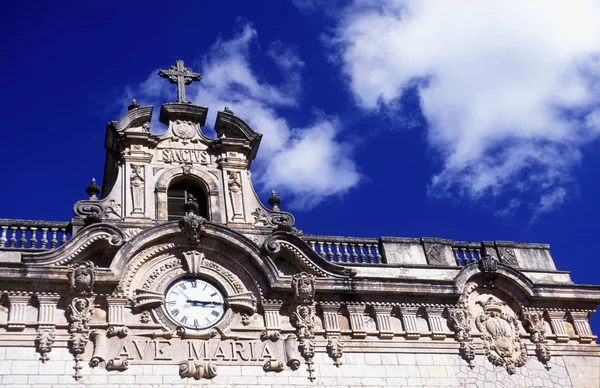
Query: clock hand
[204, 302]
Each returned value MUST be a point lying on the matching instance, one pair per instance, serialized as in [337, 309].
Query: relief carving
[500, 334]
[335, 350]
[79, 312]
[44, 342]
[435, 254]
[191, 224]
[113, 210]
[488, 265]
[534, 324]
[235, 194]
[119, 364]
[198, 370]
[458, 321]
[508, 256]
[82, 276]
[79, 315]
[137, 189]
[193, 261]
[304, 287]
[184, 129]
[302, 319]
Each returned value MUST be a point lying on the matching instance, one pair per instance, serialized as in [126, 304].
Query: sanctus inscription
[185, 156]
[223, 351]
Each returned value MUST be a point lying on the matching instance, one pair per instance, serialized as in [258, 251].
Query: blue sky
[409, 119]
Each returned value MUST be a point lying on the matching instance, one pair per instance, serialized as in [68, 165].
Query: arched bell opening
[182, 190]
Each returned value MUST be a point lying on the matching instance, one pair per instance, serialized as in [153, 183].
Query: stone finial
[274, 201]
[134, 104]
[227, 110]
[93, 190]
[181, 76]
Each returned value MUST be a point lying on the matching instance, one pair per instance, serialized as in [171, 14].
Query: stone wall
[20, 368]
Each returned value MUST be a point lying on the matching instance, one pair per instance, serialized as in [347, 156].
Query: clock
[194, 303]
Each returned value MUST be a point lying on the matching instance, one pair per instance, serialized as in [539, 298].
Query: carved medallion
[183, 129]
[500, 334]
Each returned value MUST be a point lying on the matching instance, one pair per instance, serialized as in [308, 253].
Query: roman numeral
[174, 312]
[170, 301]
[182, 286]
[183, 320]
[215, 313]
[194, 284]
[213, 294]
[196, 324]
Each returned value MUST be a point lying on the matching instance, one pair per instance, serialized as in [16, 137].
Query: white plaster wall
[20, 368]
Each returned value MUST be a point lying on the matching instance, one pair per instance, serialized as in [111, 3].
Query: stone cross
[180, 75]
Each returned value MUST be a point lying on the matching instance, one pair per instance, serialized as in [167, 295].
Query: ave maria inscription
[223, 351]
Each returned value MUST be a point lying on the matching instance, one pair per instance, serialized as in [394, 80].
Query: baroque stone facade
[232, 294]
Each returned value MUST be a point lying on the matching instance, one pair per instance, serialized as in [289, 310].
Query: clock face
[194, 303]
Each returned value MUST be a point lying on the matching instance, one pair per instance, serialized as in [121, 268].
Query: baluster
[377, 254]
[346, 254]
[362, 253]
[54, 241]
[465, 254]
[322, 251]
[63, 240]
[312, 245]
[370, 254]
[44, 240]
[13, 236]
[354, 255]
[33, 241]
[3, 239]
[23, 239]
[329, 251]
[473, 255]
[456, 257]
[338, 254]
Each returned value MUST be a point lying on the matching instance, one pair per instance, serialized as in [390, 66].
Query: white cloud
[305, 164]
[505, 85]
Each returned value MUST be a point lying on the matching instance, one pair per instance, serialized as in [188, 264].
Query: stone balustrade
[35, 235]
[346, 250]
[43, 235]
[427, 252]
[466, 253]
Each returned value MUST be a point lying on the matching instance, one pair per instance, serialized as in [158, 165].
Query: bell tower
[149, 178]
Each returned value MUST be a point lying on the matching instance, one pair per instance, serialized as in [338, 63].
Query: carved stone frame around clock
[148, 285]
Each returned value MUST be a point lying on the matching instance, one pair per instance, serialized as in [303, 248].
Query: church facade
[177, 275]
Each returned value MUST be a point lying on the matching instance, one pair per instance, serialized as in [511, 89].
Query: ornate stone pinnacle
[93, 190]
[181, 76]
[134, 104]
[274, 201]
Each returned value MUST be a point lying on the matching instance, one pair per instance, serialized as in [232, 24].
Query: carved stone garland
[534, 324]
[302, 317]
[500, 334]
[79, 311]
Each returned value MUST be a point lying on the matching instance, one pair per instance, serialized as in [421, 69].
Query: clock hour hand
[203, 302]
